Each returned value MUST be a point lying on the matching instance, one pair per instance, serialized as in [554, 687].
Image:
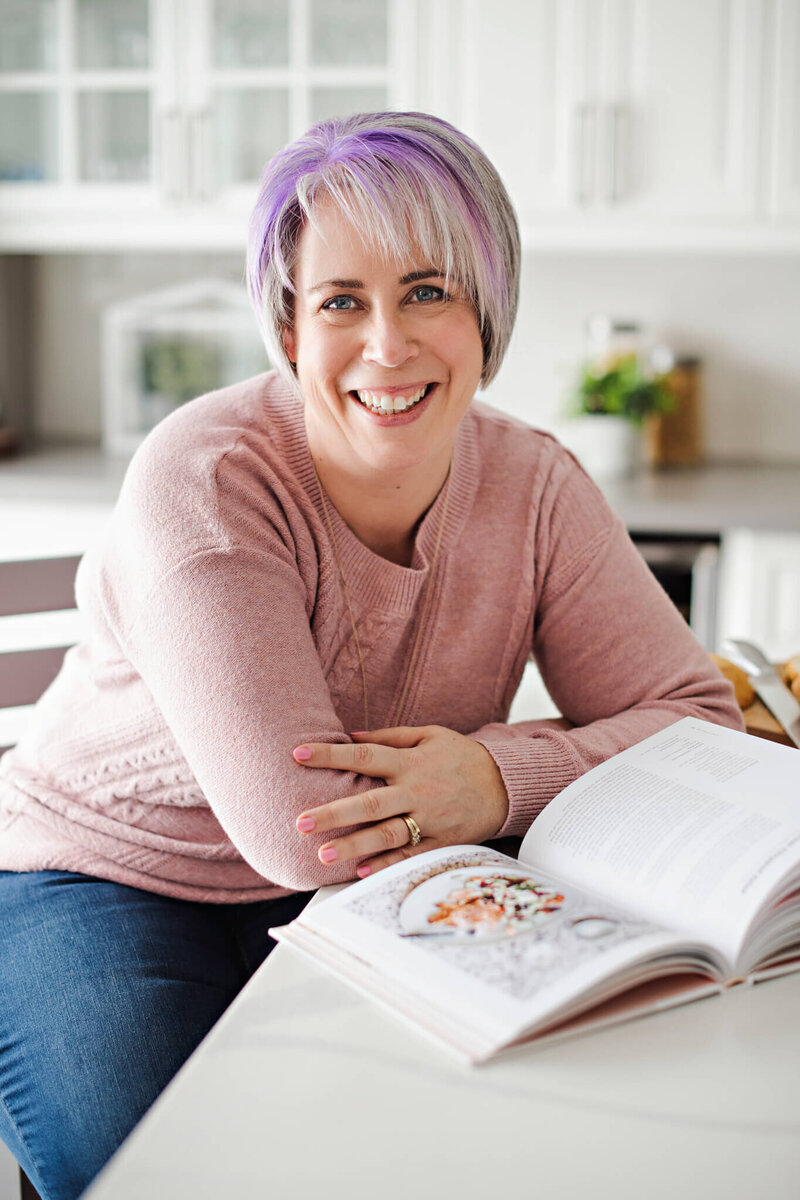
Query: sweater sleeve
[209, 588]
[224, 645]
[615, 654]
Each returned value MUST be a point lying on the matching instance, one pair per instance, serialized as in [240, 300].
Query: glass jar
[610, 341]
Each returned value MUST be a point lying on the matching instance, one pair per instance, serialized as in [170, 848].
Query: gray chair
[29, 659]
[31, 648]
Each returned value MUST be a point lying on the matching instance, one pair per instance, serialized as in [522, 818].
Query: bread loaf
[741, 684]
[790, 673]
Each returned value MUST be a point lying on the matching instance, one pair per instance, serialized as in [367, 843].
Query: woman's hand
[449, 784]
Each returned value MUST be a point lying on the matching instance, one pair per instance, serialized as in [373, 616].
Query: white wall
[71, 292]
[738, 312]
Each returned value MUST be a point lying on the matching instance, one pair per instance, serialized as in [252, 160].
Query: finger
[366, 807]
[381, 861]
[365, 843]
[401, 737]
[376, 761]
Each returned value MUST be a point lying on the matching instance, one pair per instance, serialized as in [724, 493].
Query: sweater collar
[372, 579]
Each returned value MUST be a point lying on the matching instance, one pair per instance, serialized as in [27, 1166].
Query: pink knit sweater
[219, 639]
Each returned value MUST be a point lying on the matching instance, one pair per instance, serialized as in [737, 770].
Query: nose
[389, 341]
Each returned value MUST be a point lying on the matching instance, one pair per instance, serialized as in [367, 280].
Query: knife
[768, 684]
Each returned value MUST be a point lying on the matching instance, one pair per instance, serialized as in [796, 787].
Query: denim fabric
[105, 990]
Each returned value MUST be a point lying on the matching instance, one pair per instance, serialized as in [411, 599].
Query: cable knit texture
[219, 639]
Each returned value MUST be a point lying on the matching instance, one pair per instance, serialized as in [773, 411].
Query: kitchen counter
[696, 500]
[83, 474]
[701, 1101]
[55, 503]
[711, 499]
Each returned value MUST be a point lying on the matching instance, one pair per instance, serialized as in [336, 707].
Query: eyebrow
[412, 277]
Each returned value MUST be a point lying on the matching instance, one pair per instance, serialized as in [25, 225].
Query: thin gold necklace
[425, 599]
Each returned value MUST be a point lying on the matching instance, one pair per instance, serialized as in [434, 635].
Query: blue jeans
[105, 991]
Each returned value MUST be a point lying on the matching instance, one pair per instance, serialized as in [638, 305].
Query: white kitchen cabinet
[529, 83]
[146, 122]
[681, 109]
[760, 590]
[532, 701]
[258, 74]
[82, 84]
[149, 121]
[619, 110]
[785, 111]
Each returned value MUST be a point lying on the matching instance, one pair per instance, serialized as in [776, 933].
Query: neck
[383, 508]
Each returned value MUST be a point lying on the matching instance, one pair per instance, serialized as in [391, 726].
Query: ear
[290, 344]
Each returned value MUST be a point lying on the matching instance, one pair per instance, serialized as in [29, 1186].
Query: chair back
[38, 624]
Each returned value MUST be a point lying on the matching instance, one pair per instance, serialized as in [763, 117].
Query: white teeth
[378, 403]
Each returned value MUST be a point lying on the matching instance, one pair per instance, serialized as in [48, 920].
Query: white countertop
[81, 474]
[307, 1089]
[55, 502]
[709, 499]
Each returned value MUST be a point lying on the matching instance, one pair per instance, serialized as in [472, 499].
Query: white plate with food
[479, 903]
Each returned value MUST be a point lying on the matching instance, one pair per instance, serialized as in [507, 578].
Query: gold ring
[413, 829]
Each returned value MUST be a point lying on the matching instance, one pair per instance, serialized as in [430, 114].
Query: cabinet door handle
[172, 155]
[615, 119]
[585, 121]
[199, 152]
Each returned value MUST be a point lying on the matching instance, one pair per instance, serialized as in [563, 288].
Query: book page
[495, 945]
[692, 828]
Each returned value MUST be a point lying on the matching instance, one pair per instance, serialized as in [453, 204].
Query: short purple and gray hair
[389, 173]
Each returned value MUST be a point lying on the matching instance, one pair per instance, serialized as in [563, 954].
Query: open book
[663, 875]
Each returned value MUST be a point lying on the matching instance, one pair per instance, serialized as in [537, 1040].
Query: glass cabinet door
[112, 91]
[109, 106]
[245, 93]
[271, 67]
[77, 82]
[29, 142]
[350, 38]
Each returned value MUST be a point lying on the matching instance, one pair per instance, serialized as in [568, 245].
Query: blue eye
[339, 303]
[426, 292]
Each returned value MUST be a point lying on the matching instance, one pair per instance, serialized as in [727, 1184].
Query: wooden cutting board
[760, 721]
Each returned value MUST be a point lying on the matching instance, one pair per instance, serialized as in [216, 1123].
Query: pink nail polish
[363, 871]
[302, 754]
[305, 824]
[328, 853]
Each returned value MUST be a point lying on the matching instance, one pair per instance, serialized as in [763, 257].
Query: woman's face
[387, 361]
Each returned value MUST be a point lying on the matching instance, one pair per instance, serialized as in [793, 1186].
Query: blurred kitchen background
[652, 148]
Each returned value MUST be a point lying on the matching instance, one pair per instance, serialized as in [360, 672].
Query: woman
[349, 543]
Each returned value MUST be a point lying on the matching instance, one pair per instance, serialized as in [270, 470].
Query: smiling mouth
[379, 402]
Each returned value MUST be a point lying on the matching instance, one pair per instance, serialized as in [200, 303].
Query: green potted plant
[623, 391]
[607, 410]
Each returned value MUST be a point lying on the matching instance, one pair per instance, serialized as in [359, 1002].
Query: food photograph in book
[494, 919]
